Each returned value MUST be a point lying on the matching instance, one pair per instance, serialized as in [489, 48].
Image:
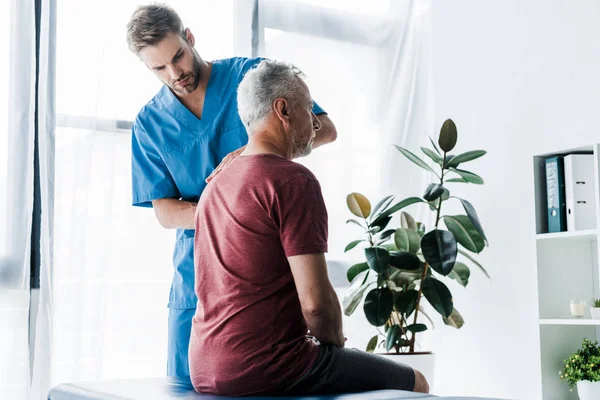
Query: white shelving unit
[572, 321]
[567, 269]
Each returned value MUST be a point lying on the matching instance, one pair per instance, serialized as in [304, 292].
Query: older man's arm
[320, 305]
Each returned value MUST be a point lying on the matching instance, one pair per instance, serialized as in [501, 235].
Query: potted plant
[595, 309]
[406, 266]
[582, 369]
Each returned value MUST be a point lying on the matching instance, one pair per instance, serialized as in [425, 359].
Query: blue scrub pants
[180, 328]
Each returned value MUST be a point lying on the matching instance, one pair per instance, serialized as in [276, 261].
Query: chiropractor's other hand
[226, 161]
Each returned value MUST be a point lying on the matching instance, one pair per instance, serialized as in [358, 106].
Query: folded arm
[174, 213]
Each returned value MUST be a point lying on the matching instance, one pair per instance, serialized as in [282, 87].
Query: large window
[113, 264]
[340, 60]
[14, 305]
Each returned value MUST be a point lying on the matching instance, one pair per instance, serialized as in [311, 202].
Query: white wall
[518, 78]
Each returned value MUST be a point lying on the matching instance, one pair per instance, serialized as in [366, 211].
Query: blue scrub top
[173, 152]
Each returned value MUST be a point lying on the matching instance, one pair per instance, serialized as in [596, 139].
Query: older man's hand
[226, 161]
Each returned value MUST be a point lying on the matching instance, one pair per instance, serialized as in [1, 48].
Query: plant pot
[588, 390]
[424, 362]
[595, 312]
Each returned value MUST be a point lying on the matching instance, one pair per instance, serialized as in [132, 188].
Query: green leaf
[460, 273]
[432, 154]
[449, 158]
[391, 337]
[401, 278]
[355, 292]
[464, 232]
[405, 260]
[358, 205]
[461, 180]
[398, 206]
[439, 250]
[421, 229]
[401, 239]
[468, 176]
[389, 247]
[355, 270]
[378, 306]
[412, 157]
[374, 230]
[455, 319]
[353, 221]
[381, 223]
[472, 214]
[434, 145]
[382, 205]
[416, 328]
[372, 344]
[464, 157]
[352, 245]
[407, 221]
[445, 195]
[433, 191]
[414, 240]
[378, 258]
[448, 136]
[438, 296]
[407, 301]
[385, 236]
[474, 261]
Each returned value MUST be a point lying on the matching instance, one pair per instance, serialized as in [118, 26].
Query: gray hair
[150, 24]
[264, 84]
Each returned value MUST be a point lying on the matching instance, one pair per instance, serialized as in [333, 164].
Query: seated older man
[261, 275]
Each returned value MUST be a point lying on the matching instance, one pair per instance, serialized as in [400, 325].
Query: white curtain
[22, 310]
[41, 304]
[17, 108]
[368, 64]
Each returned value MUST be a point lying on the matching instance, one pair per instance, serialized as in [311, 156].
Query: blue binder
[555, 188]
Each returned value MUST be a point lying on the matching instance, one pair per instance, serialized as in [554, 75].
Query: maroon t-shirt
[248, 333]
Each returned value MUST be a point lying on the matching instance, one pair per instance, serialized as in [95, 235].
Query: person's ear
[190, 37]
[282, 110]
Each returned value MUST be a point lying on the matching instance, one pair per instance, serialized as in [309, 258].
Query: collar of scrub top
[185, 116]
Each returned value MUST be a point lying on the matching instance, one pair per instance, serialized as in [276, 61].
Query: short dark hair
[149, 24]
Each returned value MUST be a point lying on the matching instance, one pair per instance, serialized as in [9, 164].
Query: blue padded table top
[177, 388]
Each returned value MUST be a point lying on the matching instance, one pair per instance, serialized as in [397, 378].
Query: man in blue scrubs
[179, 138]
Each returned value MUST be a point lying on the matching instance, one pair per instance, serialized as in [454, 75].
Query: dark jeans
[341, 370]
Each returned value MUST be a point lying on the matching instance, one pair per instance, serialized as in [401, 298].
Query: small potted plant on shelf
[406, 265]
[595, 309]
[582, 369]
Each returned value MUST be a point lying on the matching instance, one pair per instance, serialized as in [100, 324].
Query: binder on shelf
[555, 190]
[579, 192]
